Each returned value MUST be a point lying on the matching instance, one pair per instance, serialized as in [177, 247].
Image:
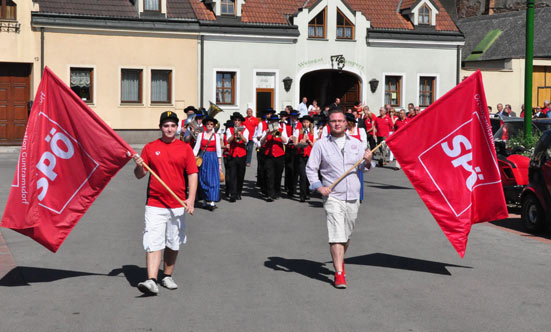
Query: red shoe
[343, 271]
[340, 281]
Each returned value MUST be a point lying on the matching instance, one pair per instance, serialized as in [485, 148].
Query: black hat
[269, 110]
[307, 117]
[237, 116]
[168, 116]
[209, 119]
[294, 113]
[190, 108]
[283, 113]
[228, 124]
[199, 114]
[350, 117]
[273, 118]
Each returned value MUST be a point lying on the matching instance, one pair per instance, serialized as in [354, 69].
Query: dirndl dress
[209, 177]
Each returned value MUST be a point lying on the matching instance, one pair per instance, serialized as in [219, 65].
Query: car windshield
[511, 129]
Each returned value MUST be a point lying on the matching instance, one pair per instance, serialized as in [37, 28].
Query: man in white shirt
[303, 108]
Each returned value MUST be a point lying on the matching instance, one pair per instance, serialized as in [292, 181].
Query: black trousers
[260, 170]
[237, 174]
[371, 141]
[228, 179]
[291, 174]
[303, 182]
[274, 170]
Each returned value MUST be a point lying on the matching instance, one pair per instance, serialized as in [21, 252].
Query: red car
[536, 197]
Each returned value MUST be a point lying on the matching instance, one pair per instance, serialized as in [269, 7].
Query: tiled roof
[201, 11]
[273, 12]
[179, 9]
[116, 8]
[407, 4]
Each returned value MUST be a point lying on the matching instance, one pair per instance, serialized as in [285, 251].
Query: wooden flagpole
[353, 167]
[165, 185]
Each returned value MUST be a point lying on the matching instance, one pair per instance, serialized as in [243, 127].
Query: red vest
[237, 149]
[305, 151]
[274, 145]
[211, 146]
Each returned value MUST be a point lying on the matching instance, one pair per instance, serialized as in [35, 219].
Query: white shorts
[341, 218]
[164, 228]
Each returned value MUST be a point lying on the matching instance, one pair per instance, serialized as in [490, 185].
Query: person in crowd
[209, 149]
[399, 123]
[274, 139]
[500, 111]
[303, 107]
[251, 122]
[369, 121]
[509, 111]
[192, 136]
[227, 157]
[417, 110]
[358, 133]
[165, 228]
[313, 109]
[383, 125]
[305, 137]
[545, 109]
[238, 136]
[331, 157]
[261, 151]
[291, 174]
[336, 104]
[411, 108]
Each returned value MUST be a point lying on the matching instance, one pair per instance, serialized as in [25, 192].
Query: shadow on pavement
[133, 273]
[514, 222]
[402, 263]
[310, 269]
[24, 275]
[385, 186]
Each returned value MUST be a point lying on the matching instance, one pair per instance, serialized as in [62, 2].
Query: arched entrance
[326, 85]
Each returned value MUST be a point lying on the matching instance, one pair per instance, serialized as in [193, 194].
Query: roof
[382, 14]
[481, 39]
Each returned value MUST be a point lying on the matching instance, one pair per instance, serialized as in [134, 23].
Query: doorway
[14, 101]
[326, 85]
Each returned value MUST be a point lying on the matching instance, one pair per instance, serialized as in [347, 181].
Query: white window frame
[433, 10]
[276, 86]
[403, 88]
[94, 83]
[144, 78]
[436, 85]
[237, 100]
[172, 86]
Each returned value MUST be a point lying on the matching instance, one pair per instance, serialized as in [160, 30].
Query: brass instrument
[212, 112]
[273, 129]
[194, 127]
[239, 130]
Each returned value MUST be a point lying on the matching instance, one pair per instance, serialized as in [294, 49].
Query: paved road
[252, 266]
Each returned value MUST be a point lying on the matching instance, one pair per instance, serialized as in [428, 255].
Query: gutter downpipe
[201, 87]
[528, 68]
[41, 52]
[458, 71]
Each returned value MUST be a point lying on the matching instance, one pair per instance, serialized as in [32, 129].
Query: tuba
[194, 127]
[212, 112]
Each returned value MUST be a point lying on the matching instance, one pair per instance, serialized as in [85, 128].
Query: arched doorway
[326, 85]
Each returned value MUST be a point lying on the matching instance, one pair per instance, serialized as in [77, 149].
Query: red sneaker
[340, 281]
[343, 271]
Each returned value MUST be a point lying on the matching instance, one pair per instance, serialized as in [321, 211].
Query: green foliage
[523, 145]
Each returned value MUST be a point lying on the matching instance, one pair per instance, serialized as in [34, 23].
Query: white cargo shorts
[341, 218]
[164, 228]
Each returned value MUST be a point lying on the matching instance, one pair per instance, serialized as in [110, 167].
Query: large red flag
[67, 157]
[448, 154]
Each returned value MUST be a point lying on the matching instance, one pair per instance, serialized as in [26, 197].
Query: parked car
[536, 197]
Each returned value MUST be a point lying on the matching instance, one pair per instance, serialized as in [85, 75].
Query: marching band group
[282, 141]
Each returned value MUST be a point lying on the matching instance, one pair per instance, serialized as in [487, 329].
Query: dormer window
[8, 10]
[227, 7]
[424, 15]
[152, 5]
[345, 28]
[316, 27]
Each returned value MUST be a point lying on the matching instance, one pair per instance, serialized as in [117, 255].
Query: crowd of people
[537, 112]
[282, 141]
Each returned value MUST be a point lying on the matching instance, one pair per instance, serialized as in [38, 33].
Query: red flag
[67, 157]
[448, 154]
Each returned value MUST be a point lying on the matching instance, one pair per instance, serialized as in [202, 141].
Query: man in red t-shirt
[165, 227]
[251, 122]
[383, 125]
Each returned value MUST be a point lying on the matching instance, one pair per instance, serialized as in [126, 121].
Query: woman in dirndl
[358, 133]
[208, 147]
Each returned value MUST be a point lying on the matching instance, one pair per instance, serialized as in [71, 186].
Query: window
[227, 7]
[345, 28]
[424, 15]
[131, 86]
[393, 90]
[82, 83]
[316, 27]
[225, 88]
[426, 91]
[152, 5]
[8, 10]
[161, 86]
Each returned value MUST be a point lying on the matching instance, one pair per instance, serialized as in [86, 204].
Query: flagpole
[352, 168]
[166, 186]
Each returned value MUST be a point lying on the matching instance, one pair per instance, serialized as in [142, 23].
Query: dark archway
[326, 85]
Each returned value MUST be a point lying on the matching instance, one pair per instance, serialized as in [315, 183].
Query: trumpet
[238, 133]
[273, 129]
